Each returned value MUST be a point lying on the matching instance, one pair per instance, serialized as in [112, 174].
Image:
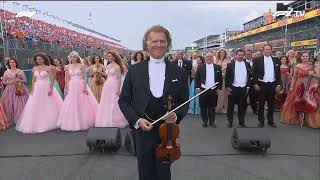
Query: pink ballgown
[41, 111]
[109, 113]
[79, 110]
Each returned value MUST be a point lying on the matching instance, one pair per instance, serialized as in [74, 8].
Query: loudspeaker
[130, 143]
[104, 138]
[250, 138]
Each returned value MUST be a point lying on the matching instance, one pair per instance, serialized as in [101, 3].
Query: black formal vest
[155, 108]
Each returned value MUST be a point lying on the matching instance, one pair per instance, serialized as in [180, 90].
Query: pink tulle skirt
[41, 111]
[79, 110]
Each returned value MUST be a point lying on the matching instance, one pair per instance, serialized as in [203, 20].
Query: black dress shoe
[204, 125]
[243, 125]
[213, 125]
[260, 124]
[229, 125]
[272, 125]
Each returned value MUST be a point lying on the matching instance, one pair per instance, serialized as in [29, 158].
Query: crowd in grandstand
[25, 28]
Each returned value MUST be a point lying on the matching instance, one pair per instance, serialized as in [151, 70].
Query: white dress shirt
[210, 79]
[180, 62]
[240, 74]
[105, 62]
[268, 69]
[194, 63]
[157, 72]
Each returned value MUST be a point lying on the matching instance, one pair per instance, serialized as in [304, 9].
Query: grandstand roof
[308, 15]
[212, 36]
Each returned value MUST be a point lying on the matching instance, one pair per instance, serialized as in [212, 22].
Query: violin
[99, 78]
[281, 97]
[306, 101]
[19, 90]
[168, 149]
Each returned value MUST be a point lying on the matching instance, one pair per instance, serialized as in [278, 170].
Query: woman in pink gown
[109, 113]
[13, 102]
[43, 106]
[79, 107]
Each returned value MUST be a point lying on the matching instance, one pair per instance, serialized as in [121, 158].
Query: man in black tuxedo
[266, 80]
[143, 99]
[238, 83]
[185, 64]
[208, 74]
[4, 67]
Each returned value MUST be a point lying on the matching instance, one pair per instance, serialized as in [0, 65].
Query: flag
[32, 9]
[25, 7]
[27, 14]
[45, 14]
[15, 4]
[1, 30]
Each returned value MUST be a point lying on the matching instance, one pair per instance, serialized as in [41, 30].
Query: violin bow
[212, 87]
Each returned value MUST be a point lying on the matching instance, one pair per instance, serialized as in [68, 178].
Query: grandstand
[23, 36]
[301, 33]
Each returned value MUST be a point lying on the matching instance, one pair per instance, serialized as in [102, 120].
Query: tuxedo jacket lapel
[204, 73]
[233, 70]
[145, 75]
[262, 66]
[274, 64]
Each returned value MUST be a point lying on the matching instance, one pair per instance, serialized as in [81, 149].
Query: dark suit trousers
[253, 96]
[237, 96]
[149, 167]
[208, 102]
[266, 93]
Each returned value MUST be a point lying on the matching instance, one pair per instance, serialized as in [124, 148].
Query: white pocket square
[174, 80]
[277, 64]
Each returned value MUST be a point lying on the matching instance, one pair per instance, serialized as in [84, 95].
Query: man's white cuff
[137, 124]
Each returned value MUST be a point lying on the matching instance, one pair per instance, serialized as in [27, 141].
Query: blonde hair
[75, 53]
[218, 54]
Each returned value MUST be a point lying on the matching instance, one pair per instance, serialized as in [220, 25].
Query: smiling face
[12, 64]
[39, 60]
[157, 44]
[283, 60]
[222, 54]
[194, 55]
[56, 62]
[139, 57]
[278, 54]
[267, 51]
[291, 54]
[96, 59]
[110, 57]
[199, 61]
[240, 56]
[73, 58]
[305, 57]
[180, 55]
[209, 58]
[248, 55]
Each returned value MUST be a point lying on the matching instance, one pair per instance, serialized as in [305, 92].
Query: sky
[128, 20]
